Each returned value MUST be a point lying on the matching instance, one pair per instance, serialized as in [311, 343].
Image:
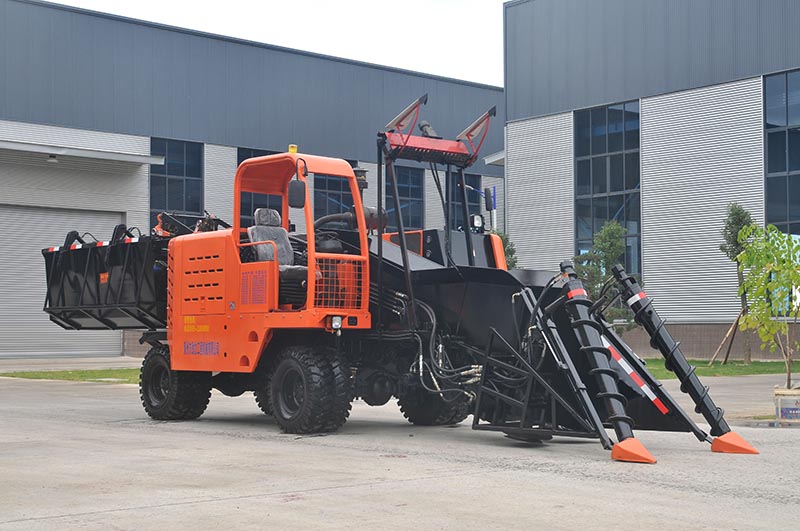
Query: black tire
[302, 391]
[263, 391]
[343, 390]
[423, 408]
[172, 395]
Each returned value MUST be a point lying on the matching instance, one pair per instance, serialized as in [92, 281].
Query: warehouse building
[105, 120]
[656, 114]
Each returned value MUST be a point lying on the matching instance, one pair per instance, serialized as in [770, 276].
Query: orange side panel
[498, 252]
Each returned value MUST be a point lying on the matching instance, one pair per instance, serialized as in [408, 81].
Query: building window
[250, 201]
[782, 150]
[331, 195]
[177, 185]
[473, 198]
[607, 176]
[409, 187]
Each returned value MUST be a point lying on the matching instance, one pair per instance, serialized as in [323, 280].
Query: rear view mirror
[297, 194]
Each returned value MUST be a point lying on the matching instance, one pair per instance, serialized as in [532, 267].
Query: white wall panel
[539, 176]
[701, 150]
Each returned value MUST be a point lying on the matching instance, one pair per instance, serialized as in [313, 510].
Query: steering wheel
[325, 235]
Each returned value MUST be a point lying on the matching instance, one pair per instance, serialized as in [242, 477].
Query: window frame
[595, 159]
[786, 223]
[165, 172]
[405, 200]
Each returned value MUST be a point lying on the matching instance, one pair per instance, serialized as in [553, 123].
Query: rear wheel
[303, 391]
[424, 408]
[168, 394]
[343, 389]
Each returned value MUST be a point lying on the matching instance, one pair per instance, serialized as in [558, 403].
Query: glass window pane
[794, 198]
[158, 147]
[158, 192]
[632, 171]
[794, 149]
[320, 198]
[793, 98]
[246, 203]
[599, 212]
[583, 218]
[775, 100]
[794, 230]
[194, 159]
[175, 194]
[776, 152]
[584, 247]
[194, 195]
[175, 158]
[598, 130]
[632, 125]
[633, 215]
[583, 181]
[599, 178]
[616, 210]
[615, 128]
[776, 200]
[582, 133]
[633, 256]
[275, 202]
[616, 173]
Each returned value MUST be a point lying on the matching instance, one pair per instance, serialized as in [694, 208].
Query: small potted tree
[770, 262]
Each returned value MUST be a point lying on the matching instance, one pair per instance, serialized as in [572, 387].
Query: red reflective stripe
[73, 246]
[660, 405]
[614, 353]
[128, 240]
[637, 379]
[642, 295]
[576, 292]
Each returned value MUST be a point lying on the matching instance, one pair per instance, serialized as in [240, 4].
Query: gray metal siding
[69, 67]
[26, 329]
[219, 170]
[701, 150]
[539, 176]
[569, 54]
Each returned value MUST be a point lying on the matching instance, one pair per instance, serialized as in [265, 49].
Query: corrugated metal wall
[219, 170]
[39, 203]
[701, 150]
[539, 175]
[26, 330]
[63, 66]
[569, 54]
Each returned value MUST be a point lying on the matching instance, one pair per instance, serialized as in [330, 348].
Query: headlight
[336, 322]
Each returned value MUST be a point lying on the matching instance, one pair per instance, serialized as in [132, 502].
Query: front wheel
[303, 391]
[172, 395]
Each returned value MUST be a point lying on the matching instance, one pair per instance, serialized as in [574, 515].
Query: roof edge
[256, 44]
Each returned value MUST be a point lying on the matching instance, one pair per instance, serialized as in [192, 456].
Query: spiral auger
[725, 440]
[588, 334]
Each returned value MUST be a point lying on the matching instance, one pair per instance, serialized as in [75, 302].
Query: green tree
[737, 219]
[508, 247]
[594, 267]
[770, 263]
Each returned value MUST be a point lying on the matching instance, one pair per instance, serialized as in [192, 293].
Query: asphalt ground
[84, 456]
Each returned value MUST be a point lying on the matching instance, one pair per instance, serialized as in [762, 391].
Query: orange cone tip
[732, 443]
[631, 451]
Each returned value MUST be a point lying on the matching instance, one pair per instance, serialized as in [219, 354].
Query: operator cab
[307, 250]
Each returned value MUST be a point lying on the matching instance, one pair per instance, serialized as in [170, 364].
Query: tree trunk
[748, 355]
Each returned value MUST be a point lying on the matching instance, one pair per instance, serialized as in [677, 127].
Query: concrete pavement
[84, 455]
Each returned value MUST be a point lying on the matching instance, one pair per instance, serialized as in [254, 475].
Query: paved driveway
[82, 455]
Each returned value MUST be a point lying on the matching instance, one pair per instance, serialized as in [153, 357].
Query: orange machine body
[222, 312]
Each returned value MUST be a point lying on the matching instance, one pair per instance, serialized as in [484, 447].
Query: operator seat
[268, 228]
